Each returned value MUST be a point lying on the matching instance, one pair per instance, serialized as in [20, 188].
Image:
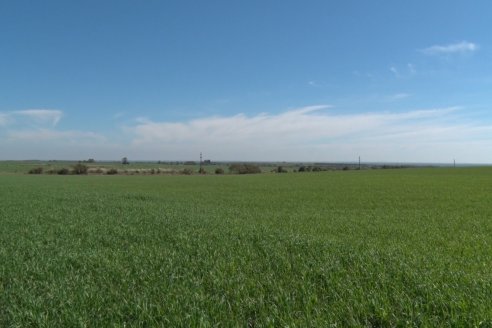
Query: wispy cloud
[4, 118]
[49, 134]
[363, 74]
[317, 84]
[395, 71]
[411, 68]
[313, 133]
[403, 71]
[398, 96]
[453, 48]
[48, 143]
[310, 133]
[33, 133]
[118, 115]
[51, 116]
[36, 116]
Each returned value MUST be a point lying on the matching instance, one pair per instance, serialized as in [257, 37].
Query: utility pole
[359, 163]
[200, 162]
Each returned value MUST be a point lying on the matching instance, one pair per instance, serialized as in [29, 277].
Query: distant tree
[219, 171]
[244, 169]
[63, 171]
[280, 169]
[124, 161]
[36, 170]
[80, 169]
[187, 171]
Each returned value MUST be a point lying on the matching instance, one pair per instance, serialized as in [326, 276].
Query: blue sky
[246, 80]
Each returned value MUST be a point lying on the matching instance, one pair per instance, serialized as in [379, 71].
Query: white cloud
[307, 122]
[4, 118]
[36, 116]
[51, 116]
[314, 133]
[403, 71]
[411, 69]
[310, 133]
[454, 48]
[237, 128]
[38, 142]
[46, 144]
[48, 134]
[118, 115]
[362, 74]
[395, 71]
[317, 84]
[398, 96]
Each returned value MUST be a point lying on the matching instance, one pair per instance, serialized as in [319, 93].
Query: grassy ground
[360, 248]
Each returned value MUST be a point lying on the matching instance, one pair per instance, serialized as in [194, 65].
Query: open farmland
[374, 248]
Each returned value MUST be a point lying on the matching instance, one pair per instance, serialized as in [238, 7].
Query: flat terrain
[409, 247]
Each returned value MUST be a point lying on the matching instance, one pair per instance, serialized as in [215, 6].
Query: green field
[376, 248]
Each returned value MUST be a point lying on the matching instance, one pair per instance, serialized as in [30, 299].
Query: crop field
[369, 248]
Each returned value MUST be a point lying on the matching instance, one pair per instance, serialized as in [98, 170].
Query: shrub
[302, 169]
[80, 169]
[244, 169]
[219, 171]
[346, 168]
[63, 171]
[112, 171]
[187, 172]
[280, 169]
[36, 170]
[202, 171]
